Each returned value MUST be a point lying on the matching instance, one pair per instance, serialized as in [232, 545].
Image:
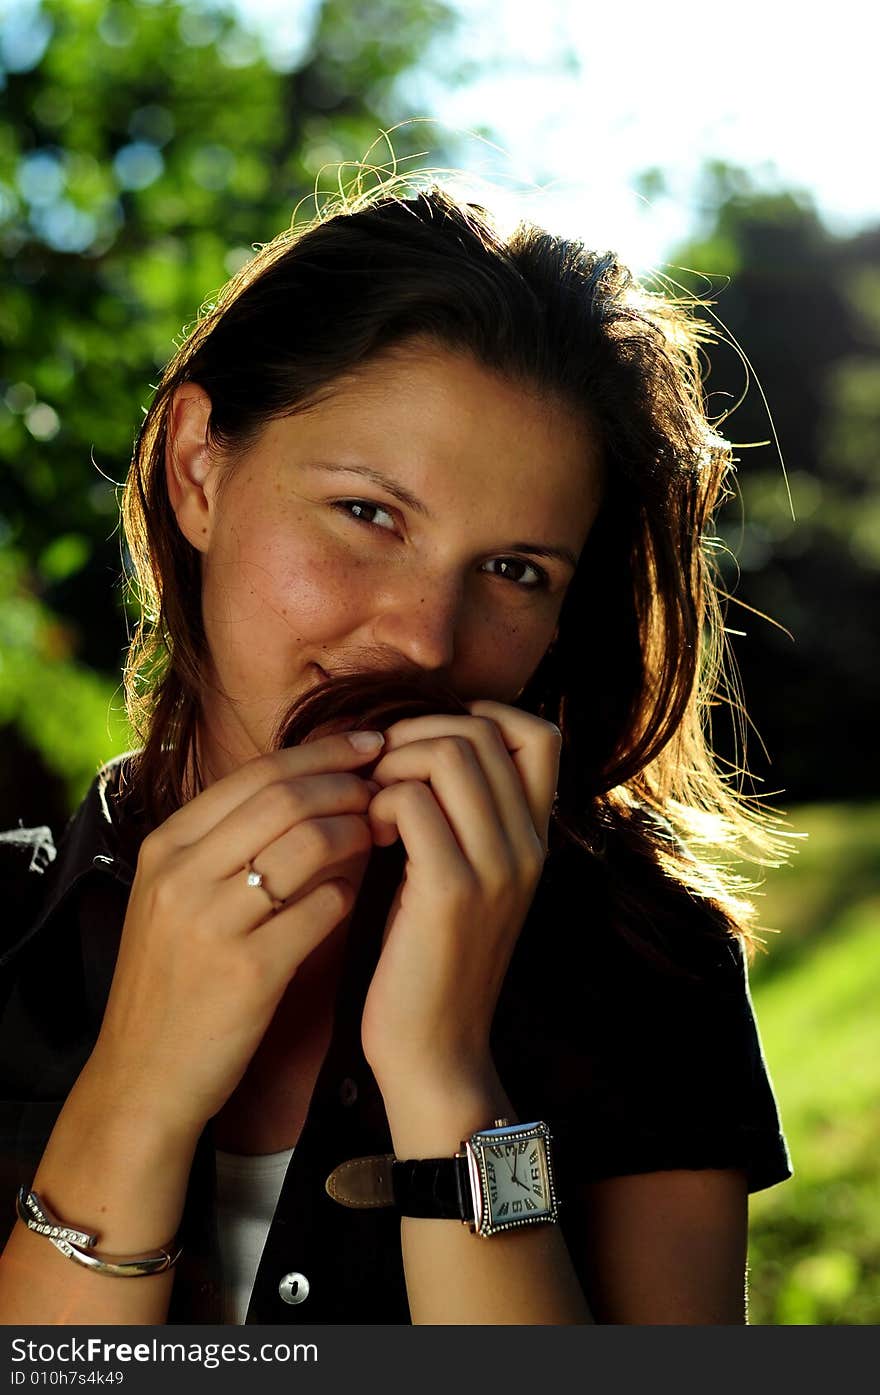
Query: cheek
[506, 661]
[276, 581]
[308, 589]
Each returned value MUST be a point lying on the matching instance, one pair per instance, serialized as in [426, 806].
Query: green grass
[815, 1240]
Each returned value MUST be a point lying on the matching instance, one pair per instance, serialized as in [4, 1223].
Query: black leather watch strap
[433, 1187]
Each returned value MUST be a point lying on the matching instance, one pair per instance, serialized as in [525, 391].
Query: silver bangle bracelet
[73, 1243]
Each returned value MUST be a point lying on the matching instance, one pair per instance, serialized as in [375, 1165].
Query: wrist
[430, 1118]
[113, 1169]
[118, 1103]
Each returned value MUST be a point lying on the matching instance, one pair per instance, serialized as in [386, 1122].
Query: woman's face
[400, 521]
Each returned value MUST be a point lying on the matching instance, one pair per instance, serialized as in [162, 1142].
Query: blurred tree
[804, 306]
[145, 146]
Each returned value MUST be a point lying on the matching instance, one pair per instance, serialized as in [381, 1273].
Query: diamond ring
[256, 879]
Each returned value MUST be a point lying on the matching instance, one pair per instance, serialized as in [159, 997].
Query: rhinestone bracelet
[73, 1243]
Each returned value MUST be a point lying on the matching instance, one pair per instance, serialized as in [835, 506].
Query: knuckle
[154, 848]
[317, 840]
[505, 873]
[461, 887]
[169, 882]
[283, 802]
[488, 728]
[455, 750]
[356, 789]
[264, 767]
[360, 837]
[498, 887]
[336, 896]
[532, 864]
[412, 793]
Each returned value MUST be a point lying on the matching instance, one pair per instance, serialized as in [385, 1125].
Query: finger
[311, 853]
[410, 810]
[535, 747]
[328, 754]
[286, 938]
[251, 827]
[502, 776]
[314, 852]
[449, 764]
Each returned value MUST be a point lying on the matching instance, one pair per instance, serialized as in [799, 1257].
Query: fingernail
[366, 740]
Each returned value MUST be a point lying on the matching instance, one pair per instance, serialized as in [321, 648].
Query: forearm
[523, 1276]
[106, 1170]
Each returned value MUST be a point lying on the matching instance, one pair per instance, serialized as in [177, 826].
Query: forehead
[448, 426]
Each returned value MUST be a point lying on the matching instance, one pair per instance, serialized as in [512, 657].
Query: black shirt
[634, 1069]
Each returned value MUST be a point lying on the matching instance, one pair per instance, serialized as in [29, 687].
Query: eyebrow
[375, 477]
[399, 492]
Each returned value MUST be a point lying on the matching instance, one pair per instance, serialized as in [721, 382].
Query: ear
[190, 469]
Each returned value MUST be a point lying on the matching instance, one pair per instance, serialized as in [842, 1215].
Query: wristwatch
[502, 1179]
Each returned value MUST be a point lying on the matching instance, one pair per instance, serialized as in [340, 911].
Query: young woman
[411, 475]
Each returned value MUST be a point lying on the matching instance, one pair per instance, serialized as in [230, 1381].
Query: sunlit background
[146, 145]
[615, 112]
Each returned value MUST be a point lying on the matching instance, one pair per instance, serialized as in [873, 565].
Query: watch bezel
[474, 1152]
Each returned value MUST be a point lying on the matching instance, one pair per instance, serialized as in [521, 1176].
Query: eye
[360, 509]
[365, 507]
[540, 577]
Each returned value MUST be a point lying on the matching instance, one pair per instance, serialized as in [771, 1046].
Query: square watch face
[517, 1186]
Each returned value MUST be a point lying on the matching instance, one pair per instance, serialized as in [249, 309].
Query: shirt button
[348, 1092]
[294, 1288]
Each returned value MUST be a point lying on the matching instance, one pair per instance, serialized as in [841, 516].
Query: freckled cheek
[297, 587]
[318, 598]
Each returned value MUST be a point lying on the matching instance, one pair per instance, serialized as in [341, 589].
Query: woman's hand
[205, 957]
[471, 799]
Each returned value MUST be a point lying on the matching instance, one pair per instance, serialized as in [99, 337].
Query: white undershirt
[247, 1194]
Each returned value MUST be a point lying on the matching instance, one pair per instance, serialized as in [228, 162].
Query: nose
[420, 620]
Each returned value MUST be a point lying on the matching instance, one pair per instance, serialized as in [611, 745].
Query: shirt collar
[102, 834]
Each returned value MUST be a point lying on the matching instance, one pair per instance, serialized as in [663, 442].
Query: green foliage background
[145, 147]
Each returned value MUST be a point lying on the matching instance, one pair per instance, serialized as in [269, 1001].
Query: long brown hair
[640, 651]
